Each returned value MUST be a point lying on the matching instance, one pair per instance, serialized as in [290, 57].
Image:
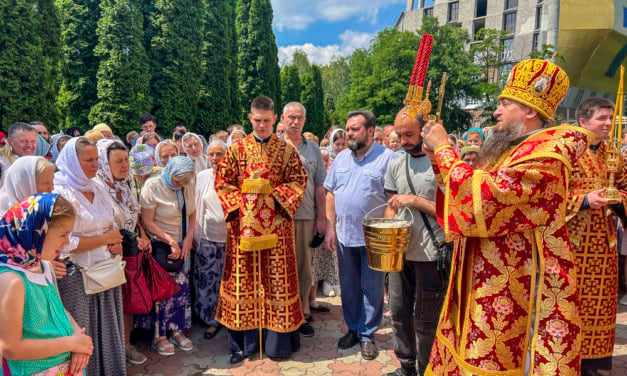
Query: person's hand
[400, 201]
[112, 236]
[188, 243]
[82, 343]
[59, 269]
[144, 244]
[78, 362]
[596, 200]
[115, 249]
[330, 239]
[428, 152]
[176, 251]
[434, 135]
[321, 225]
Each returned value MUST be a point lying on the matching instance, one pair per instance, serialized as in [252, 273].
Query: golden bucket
[387, 240]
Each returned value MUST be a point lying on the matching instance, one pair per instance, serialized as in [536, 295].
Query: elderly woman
[94, 239]
[141, 159]
[58, 142]
[37, 334]
[168, 207]
[193, 147]
[149, 138]
[236, 136]
[113, 175]
[165, 151]
[210, 237]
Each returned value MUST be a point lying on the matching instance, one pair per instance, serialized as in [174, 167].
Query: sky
[324, 29]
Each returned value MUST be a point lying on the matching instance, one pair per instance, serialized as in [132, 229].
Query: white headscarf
[229, 140]
[159, 145]
[19, 182]
[332, 153]
[70, 171]
[201, 162]
[125, 188]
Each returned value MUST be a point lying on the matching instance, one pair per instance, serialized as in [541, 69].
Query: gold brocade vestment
[512, 300]
[260, 186]
[593, 237]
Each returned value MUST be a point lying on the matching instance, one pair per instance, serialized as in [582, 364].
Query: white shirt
[210, 223]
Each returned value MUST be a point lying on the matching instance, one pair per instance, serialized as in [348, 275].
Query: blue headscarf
[23, 229]
[465, 136]
[176, 166]
[43, 147]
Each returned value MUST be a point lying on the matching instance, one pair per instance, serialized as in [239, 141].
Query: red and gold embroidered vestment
[593, 237]
[512, 297]
[260, 186]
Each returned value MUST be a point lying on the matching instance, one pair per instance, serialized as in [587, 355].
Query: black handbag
[444, 250]
[161, 250]
[130, 247]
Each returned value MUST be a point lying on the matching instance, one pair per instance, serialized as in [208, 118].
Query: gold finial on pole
[441, 96]
[614, 158]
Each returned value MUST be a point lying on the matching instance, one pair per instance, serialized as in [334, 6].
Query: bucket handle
[405, 208]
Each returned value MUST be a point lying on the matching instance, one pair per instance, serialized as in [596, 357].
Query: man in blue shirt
[355, 186]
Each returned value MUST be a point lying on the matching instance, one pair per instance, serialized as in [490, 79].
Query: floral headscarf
[23, 229]
[140, 158]
[176, 166]
[125, 188]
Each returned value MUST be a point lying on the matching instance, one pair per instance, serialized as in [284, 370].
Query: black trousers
[416, 297]
[278, 345]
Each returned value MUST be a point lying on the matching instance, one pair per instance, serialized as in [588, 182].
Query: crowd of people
[239, 230]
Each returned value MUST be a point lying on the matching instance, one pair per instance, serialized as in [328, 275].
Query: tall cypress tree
[21, 75]
[231, 38]
[49, 31]
[259, 72]
[290, 84]
[312, 97]
[176, 51]
[79, 65]
[123, 74]
[215, 97]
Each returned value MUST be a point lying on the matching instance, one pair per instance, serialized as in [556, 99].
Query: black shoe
[349, 340]
[306, 330]
[404, 371]
[309, 318]
[277, 359]
[320, 309]
[369, 350]
[209, 334]
[237, 357]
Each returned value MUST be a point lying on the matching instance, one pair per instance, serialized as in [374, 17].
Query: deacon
[512, 306]
[592, 232]
[260, 182]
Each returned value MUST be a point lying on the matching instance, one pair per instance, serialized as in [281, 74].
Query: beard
[414, 149]
[355, 144]
[500, 141]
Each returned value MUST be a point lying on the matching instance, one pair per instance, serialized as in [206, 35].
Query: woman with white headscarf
[165, 150]
[193, 147]
[94, 239]
[26, 176]
[236, 136]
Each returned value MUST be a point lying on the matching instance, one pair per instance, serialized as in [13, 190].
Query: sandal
[212, 330]
[162, 347]
[179, 340]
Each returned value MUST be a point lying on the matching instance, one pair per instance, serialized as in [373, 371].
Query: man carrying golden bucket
[512, 304]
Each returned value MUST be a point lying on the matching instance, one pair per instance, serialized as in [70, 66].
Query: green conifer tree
[176, 52]
[79, 65]
[312, 97]
[290, 84]
[231, 38]
[49, 30]
[123, 74]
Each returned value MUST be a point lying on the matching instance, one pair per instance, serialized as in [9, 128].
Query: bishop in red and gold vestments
[512, 306]
[260, 182]
[592, 232]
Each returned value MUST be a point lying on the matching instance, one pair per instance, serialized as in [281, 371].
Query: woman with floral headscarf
[37, 334]
[142, 165]
[163, 201]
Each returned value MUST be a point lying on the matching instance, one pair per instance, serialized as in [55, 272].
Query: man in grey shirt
[416, 292]
[310, 217]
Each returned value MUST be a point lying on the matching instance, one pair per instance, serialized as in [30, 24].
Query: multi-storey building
[591, 35]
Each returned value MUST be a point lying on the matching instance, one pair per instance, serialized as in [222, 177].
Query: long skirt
[174, 314]
[324, 266]
[101, 315]
[207, 277]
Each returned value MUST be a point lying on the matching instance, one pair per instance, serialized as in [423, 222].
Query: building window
[539, 17]
[427, 3]
[511, 4]
[477, 25]
[508, 49]
[535, 43]
[453, 11]
[509, 22]
[482, 8]
[428, 11]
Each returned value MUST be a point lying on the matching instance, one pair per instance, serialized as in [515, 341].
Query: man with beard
[512, 305]
[355, 187]
[417, 291]
[592, 233]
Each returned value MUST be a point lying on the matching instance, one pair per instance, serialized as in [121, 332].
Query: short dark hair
[115, 146]
[588, 107]
[370, 119]
[19, 126]
[145, 118]
[262, 103]
[178, 134]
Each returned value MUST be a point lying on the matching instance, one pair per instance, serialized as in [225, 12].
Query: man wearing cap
[592, 231]
[512, 306]
[470, 155]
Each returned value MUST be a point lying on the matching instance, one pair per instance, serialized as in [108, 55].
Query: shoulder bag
[104, 275]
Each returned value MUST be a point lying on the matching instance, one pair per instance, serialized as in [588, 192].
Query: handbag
[130, 246]
[104, 275]
[444, 250]
[161, 250]
[161, 284]
[135, 292]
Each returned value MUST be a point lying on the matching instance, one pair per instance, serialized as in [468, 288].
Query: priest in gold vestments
[592, 232]
[512, 306]
[260, 182]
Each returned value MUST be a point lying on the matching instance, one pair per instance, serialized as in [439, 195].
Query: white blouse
[210, 223]
[93, 219]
